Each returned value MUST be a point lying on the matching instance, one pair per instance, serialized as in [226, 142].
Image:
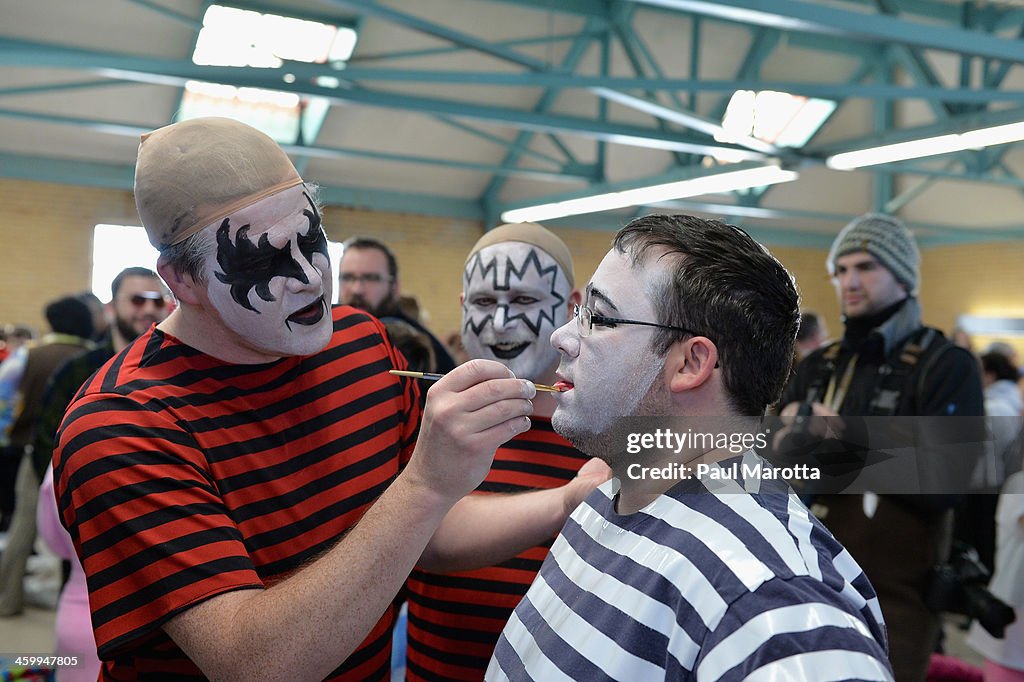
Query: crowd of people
[243, 488]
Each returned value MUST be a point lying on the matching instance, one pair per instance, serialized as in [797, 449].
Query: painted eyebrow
[601, 296]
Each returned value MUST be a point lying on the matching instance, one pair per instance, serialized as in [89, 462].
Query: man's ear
[575, 298]
[462, 298]
[690, 363]
[183, 286]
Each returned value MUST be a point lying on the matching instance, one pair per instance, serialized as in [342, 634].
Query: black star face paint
[514, 297]
[247, 266]
[271, 279]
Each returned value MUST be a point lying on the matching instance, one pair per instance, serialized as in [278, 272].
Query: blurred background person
[368, 280]
[811, 335]
[71, 323]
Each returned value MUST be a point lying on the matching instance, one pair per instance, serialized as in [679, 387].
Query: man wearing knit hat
[889, 364]
[212, 474]
[518, 287]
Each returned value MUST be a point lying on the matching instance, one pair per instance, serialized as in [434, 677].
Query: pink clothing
[998, 673]
[74, 624]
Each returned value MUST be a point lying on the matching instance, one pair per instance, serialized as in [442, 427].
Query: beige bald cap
[193, 173]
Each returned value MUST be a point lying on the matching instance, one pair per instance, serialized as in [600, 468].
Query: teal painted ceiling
[464, 108]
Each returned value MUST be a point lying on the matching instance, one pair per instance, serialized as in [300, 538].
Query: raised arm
[308, 624]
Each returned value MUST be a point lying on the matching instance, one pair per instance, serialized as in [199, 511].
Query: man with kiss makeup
[518, 286]
[246, 484]
[687, 577]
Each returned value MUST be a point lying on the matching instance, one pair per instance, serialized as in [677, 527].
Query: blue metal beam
[121, 177]
[177, 73]
[489, 197]
[60, 87]
[364, 58]
[656, 83]
[185, 19]
[374, 9]
[173, 72]
[290, 10]
[566, 175]
[797, 15]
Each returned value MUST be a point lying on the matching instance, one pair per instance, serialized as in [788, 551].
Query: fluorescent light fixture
[716, 183]
[779, 118]
[928, 146]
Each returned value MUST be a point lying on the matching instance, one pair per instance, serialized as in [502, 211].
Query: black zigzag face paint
[514, 297]
[272, 276]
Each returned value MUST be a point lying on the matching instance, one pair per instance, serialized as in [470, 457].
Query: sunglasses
[139, 300]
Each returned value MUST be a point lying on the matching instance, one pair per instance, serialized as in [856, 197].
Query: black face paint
[246, 265]
[314, 241]
[491, 268]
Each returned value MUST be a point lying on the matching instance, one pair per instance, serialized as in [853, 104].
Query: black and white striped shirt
[714, 580]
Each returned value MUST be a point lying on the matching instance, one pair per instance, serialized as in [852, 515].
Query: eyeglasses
[139, 300]
[587, 318]
[367, 278]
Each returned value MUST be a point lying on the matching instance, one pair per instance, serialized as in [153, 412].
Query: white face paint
[269, 278]
[613, 373]
[514, 295]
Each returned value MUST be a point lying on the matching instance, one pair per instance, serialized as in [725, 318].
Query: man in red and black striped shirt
[246, 484]
[517, 289]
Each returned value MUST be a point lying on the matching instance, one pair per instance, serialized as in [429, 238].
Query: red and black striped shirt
[455, 619]
[181, 477]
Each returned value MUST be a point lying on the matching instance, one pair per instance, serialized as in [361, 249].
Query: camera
[958, 586]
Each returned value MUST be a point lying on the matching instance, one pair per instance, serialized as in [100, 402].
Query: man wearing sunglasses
[695, 562]
[138, 301]
[368, 280]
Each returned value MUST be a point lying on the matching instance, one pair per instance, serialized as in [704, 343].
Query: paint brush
[431, 376]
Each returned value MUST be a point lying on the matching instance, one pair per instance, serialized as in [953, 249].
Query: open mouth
[507, 351]
[564, 386]
[310, 315]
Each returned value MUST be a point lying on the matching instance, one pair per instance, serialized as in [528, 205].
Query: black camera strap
[918, 353]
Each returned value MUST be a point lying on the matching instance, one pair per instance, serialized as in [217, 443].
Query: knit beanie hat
[530, 233]
[192, 173]
[887, 239]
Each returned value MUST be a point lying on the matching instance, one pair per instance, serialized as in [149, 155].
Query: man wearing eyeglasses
[368, 280]
[695, 562]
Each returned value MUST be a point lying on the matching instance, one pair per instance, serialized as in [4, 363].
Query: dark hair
[115, 286]
[1000, 366]
[728, 287]
[371, 243]
[70, 315]
[189, 256]
[413, 343]
[809, 326]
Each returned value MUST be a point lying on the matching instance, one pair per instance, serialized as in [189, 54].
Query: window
[116, 247]
[237, 37]
[779, 118]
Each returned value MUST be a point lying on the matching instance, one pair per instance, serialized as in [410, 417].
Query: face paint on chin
[289, 270]
[513, 295]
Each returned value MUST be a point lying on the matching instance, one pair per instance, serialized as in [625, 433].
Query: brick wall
[46, 242]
